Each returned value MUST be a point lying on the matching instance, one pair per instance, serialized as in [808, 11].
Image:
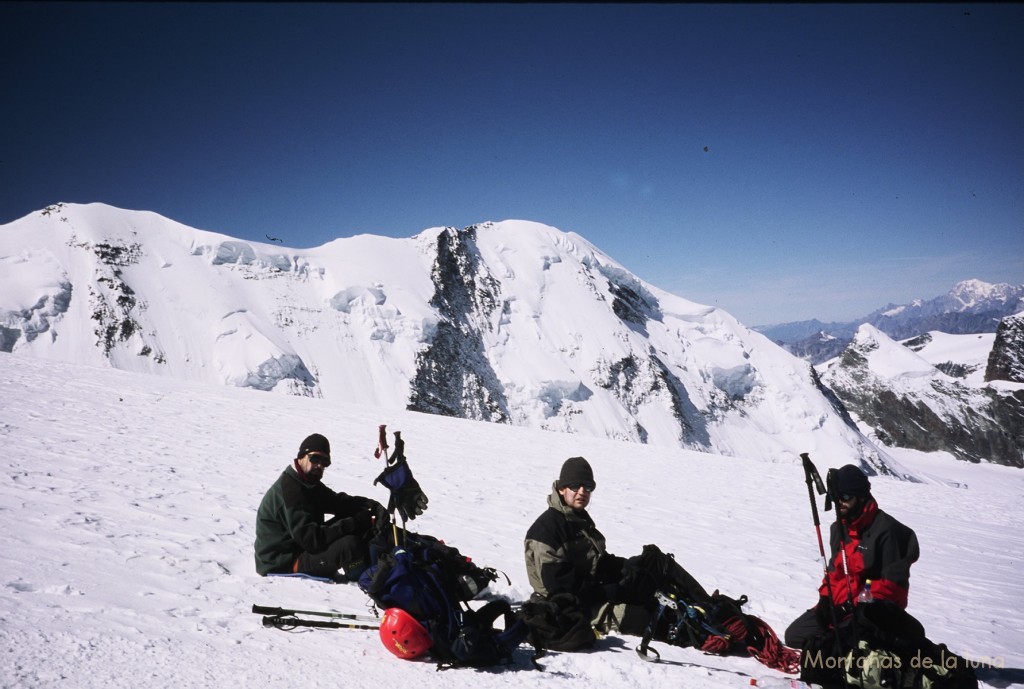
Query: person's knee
[353, 570]
[793, 638]
[801, 629]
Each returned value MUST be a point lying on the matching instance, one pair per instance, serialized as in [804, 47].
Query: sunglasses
[319, 458]
[575, 487]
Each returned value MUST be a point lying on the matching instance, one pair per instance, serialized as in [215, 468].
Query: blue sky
[782, 162]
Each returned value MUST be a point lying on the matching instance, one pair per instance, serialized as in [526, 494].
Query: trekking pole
[842, 533]
[290, 622]
[382, 450]
[283, 612]
[396, 456]
[814, 482]
[850, 590]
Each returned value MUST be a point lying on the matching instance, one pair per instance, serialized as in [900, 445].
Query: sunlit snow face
[576, 497]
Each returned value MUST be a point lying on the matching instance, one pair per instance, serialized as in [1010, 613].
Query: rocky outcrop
[1006, 361]
[453, 375]
[922, 408]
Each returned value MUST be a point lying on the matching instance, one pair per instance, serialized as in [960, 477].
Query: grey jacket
[563, 549]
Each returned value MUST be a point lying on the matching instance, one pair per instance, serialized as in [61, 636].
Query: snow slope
[127, 507]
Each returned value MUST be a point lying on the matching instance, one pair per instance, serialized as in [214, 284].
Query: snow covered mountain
[960, 394]
[971, 306]
[512, 322]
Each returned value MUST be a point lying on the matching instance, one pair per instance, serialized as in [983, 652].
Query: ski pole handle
[382, 442]
[812, 473]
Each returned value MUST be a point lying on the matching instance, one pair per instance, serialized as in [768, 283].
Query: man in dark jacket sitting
[878, 549]
[292, 534]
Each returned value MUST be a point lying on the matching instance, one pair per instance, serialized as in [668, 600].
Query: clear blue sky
[780, 161]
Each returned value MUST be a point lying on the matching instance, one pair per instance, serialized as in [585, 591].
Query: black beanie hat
[314, 443]
[576, 471]
[850, 480]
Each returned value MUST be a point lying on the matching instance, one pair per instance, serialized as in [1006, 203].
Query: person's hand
[381, 517]
[358, 524]
[823, 612]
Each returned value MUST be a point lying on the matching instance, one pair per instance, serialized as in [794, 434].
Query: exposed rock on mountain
[1006, 362]
[909, 402]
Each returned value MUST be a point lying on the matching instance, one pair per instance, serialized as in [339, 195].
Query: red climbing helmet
[403, 635]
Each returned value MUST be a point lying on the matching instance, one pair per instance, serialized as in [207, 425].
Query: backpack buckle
[666, 600]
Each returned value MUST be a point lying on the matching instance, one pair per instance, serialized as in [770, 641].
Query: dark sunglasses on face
[318, 458]
[575, 487]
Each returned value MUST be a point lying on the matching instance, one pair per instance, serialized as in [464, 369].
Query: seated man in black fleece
[292, 534]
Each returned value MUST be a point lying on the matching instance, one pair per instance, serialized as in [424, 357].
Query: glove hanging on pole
[406, 495]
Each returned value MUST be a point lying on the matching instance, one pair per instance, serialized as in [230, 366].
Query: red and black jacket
[878, 548]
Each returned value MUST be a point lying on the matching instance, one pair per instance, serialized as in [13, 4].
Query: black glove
[413, 501]
[609, 568]
[357, 525]
[406, 495]
[381, 516]
[823, 612]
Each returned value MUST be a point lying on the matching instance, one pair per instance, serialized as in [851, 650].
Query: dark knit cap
[576, 471]
[314, 443]
[850, 480]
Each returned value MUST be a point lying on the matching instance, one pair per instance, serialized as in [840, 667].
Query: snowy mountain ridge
[514, 322]
[971, 306]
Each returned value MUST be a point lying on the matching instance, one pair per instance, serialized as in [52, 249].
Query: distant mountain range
[971, 306]
[509, 322]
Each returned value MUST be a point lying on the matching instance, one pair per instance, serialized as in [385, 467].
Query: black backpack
[433, 582]
[686, 615]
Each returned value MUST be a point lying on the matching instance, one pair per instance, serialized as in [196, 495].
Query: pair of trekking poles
[288, 619]
[814, 483]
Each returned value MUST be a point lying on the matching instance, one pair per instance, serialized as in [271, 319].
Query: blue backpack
[433, 582]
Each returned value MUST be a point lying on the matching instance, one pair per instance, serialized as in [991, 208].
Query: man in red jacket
[877, 549]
